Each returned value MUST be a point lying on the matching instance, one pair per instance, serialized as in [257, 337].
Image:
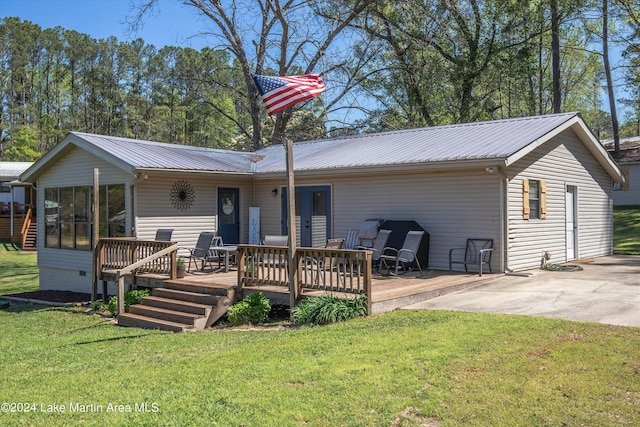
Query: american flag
[280, 93]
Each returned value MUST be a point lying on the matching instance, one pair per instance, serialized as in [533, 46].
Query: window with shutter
[534, 199]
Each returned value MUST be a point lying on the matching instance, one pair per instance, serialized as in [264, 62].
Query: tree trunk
[555, 56]
[607, 71]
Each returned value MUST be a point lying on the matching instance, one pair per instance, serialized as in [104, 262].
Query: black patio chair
[477, 252]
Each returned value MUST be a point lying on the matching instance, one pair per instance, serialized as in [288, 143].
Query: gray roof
[13, 170]
[157, 155]
[499, 142]
[491, 140]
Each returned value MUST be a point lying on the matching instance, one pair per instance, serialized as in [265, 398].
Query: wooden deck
[388, 292]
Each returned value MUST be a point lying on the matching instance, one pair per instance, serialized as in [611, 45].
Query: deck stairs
[180, 306]
[30, 242]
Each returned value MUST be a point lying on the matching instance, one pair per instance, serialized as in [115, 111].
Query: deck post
[120, 293]
[291, 226]
[367, 279]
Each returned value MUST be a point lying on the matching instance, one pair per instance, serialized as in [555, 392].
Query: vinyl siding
[451, 206]
[66, 269]
[631, 194]
[560, 162]
[154, 208]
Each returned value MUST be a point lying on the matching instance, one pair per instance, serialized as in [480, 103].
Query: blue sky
[172, 23]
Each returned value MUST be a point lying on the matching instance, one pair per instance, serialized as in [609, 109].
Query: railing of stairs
[25, 227]
[128, 256]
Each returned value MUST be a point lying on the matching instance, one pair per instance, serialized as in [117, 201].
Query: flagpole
[291, 226]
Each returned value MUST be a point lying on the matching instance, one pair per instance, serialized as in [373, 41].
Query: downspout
[504, 216]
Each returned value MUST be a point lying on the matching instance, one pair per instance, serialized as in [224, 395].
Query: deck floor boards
[388, 292]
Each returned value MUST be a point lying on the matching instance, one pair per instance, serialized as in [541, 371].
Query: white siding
[66, 269]
[451, 206]
[154, 209]
[631, 194]
[560, 162]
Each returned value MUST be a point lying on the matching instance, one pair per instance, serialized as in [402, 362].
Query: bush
[328, 309]
[253, 309]
[131, 297]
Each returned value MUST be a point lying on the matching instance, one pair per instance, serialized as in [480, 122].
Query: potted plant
[180, 268]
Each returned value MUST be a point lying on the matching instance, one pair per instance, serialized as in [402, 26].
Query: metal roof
[491, 143]
[157, 155]
[491, 140]
[12, 170]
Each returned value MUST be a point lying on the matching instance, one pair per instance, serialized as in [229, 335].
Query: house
[15, 201]
[534, 185]
[628, 158]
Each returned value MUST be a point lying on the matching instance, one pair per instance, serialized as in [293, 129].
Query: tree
[274, 37]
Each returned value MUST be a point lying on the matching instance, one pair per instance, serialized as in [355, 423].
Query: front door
[313, 215]
[229, 215]
[571, 219]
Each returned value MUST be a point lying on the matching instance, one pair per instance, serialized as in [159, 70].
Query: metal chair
[379, 243]
[405, 255]
[477, 252]
[201, 250]
[164, 234]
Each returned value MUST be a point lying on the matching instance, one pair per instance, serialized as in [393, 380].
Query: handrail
[25, 227]
[173, 249]
[120, 256]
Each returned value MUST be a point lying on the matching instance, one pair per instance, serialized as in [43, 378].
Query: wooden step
[192, 320]
[196, 297]
[176, 305]
[197, 287]
[138, 321]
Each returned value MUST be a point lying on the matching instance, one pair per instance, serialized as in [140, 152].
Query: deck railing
[330, 270]
[126, 255]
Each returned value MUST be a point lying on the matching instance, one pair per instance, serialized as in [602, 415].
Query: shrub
[328, 309]
[253, 309]
[131, 297]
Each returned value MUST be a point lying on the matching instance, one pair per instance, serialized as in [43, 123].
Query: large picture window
[68, 217]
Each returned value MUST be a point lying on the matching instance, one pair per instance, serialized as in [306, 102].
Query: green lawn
[404, 368]
[408, 366]
[626, 230]
[18, 271]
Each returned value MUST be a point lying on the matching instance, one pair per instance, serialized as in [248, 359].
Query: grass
[626, 230]
[404, 367]
[18, 271]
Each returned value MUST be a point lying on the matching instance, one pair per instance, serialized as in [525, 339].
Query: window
[69, 219]
[4, 187]
[534, 194]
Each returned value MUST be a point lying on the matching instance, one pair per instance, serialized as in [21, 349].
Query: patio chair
[477, 252]
[214, 255]
[352, 240]
[164, 234]
[318, 265]
[379, 243]
[404, 255]
[201, 250]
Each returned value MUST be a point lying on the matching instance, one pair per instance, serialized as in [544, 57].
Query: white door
[571, 222]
